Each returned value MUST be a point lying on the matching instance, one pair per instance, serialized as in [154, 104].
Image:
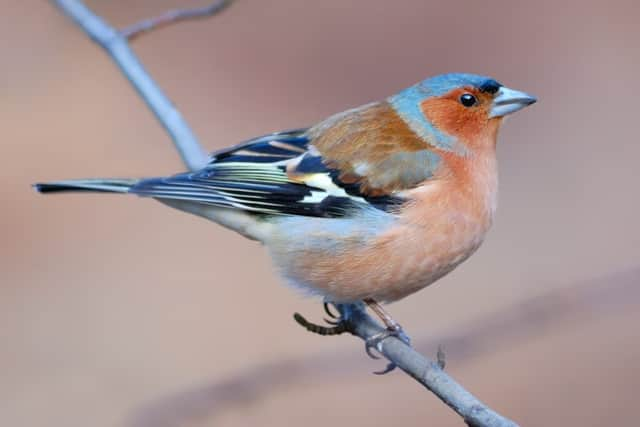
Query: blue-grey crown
[444, 83]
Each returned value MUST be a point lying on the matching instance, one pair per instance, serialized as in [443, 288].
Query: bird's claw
[334, 319]
[375, 342]
[330, 313]
[390, 367]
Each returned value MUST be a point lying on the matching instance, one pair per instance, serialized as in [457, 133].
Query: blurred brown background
[121, 312]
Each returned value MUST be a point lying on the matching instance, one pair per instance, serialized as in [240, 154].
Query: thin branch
[118, 49]
[425, 371]
[173, 16]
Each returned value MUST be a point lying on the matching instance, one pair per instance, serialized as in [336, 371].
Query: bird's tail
[92, 185]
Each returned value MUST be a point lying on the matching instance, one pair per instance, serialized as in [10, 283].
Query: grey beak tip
[508, 101]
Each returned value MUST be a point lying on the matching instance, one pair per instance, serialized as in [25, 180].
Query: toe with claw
[375, 342]
[334, 319]
[339, 324]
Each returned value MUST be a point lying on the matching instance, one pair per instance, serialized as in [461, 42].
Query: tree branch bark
[427, 372]
[118, 49]
[173, 16]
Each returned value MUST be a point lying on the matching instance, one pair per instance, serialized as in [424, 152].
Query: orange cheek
[466, 124]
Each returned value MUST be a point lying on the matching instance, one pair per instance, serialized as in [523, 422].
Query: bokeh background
[116, 311]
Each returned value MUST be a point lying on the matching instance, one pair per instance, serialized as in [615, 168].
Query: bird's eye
[468, 100]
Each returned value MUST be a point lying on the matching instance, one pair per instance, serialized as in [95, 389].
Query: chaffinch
[371, 204]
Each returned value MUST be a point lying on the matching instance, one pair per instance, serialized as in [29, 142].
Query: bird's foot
[375, 343]
[393, 330]
[337, 322]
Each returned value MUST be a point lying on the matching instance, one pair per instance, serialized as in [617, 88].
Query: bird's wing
[358, 159]
[252, 176]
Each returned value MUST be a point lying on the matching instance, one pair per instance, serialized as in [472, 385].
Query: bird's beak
[509, 101]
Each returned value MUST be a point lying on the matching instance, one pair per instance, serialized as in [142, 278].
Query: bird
[367, 206]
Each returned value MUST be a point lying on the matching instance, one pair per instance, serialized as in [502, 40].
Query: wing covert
[371, 152]
[272, 148]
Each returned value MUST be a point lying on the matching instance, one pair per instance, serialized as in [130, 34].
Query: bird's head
[457, 112]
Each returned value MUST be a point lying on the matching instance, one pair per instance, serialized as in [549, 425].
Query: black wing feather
[272, 148]
[283, 198]
[250, 177]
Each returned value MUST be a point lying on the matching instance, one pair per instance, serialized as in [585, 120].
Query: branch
[118, 49]
[427, 372]
[423, 370]
[173, 16]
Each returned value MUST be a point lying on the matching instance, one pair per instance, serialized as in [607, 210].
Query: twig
[425, 371]
[118, 49]
[173, 16]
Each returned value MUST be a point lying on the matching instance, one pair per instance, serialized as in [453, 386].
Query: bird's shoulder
[370, 151]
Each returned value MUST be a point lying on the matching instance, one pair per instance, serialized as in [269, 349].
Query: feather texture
[364, 157]
[373, 151]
